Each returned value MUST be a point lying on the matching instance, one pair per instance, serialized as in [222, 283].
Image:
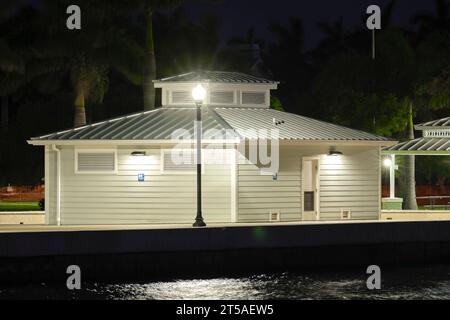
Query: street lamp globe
[387, 162]
[199, 93]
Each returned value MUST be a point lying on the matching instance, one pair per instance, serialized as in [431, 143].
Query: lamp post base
[199, 222]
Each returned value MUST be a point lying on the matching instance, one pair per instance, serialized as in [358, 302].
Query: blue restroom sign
[141, 177]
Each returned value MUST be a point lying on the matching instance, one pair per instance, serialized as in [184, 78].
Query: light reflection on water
[410, 283]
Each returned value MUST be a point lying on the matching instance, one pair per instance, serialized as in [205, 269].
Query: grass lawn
[19, 206]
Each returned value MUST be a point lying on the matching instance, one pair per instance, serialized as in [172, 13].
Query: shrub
[42, 204]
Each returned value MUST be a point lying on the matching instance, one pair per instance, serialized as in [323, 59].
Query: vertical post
[58, 184]
[392, 177]
[199, 218]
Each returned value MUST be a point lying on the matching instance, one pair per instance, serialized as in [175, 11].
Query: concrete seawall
[125, 254]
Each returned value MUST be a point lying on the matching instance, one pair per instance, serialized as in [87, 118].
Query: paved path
[72, 228]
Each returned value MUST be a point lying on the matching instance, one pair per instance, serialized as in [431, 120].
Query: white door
[310, 189]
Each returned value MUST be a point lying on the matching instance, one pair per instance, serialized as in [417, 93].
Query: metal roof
[229, 123]
[421, 145]
[217, 77]
[158, 124]
[435, 124]
[290, 126]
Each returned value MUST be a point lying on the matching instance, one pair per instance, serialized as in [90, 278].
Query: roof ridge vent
[277, 122]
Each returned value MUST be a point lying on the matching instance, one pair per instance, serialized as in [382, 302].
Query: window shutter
[98, 161]
[222, 97]
[182, 97]
[253, 97]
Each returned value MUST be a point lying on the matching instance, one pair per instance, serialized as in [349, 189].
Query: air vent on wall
[222, 97]
[252, 98]
[274, 216]
[95, 161]
[182, 97]
[346, 213]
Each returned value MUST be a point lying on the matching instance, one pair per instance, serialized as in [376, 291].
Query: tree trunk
[441, 183]
[408, 176]
[149, 64]
[4, 113]
[80, 110]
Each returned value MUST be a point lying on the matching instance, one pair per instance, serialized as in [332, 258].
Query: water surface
[399, 283]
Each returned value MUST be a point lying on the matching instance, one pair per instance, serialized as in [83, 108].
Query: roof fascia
[129, 142]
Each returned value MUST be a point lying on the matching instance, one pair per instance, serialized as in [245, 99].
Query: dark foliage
[336, 81]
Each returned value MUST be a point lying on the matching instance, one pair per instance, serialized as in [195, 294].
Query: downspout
[58, 184]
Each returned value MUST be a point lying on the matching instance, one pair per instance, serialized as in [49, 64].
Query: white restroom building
[122, 170]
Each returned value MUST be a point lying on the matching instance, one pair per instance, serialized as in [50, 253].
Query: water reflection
[401, 283]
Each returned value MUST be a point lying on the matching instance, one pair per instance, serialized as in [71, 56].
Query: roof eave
[418, 152]
[128, 142]
[422, 127]
[159, 84]
[37, 142]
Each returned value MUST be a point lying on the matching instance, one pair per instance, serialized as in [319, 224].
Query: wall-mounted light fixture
[335, 153]
[138, 153]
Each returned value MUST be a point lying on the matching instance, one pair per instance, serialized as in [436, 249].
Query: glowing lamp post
[198, 93]
[390, 164]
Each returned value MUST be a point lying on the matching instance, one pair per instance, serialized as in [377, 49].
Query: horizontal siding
[258, 194]
[350, 181]
[353, 183]
[50, 186]
[161, 198]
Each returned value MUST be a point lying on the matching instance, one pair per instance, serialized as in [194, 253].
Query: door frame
[317, 193]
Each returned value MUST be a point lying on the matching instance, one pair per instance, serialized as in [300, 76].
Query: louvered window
[178, 161]
[222, 97]
[95, 161]
[253, 98]
[182, 97]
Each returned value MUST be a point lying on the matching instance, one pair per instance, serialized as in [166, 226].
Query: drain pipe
[58, 184]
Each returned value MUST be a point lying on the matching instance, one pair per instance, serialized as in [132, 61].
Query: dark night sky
[237, 16]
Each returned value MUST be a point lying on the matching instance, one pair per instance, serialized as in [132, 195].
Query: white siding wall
[50, 186]
[259, 194]
[350, 181]
[162, 198]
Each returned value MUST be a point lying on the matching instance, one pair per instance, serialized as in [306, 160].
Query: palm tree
[429, 22]
[12, 57]
[192, 46]
[286, 56]
[244, 53]
[407, 182]
[334, 41]
[149, 7]
[249, 39]
[87, 56]
[286, 59]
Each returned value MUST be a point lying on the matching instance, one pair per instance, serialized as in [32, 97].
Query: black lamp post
[199, 95]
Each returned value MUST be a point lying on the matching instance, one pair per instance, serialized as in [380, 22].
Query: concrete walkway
[75, 228]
